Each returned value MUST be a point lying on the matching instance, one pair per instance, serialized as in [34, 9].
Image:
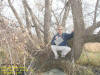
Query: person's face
[60, 31]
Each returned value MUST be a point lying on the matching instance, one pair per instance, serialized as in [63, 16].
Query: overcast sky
[88, 7]
[56, 4]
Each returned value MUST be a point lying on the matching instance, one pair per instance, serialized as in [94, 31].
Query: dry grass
[92, 47]
[90, 55]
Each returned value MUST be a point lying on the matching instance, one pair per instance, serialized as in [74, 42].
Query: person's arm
[52, 42]
[69, 36]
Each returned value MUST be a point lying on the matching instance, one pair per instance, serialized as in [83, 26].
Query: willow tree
[81, 34]
[44, 57]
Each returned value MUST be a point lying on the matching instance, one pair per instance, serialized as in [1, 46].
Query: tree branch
[16, 14]
[94, 26]
[92, 38]
[95, 13]
[47, 21]
[90, 30]
[67, 8]
[27, 20]
[21, 24]
[99, 32]
[55, 17]
[34, 21]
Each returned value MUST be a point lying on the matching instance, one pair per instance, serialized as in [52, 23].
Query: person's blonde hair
[59, 26]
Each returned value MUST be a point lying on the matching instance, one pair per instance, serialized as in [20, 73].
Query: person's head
[60, 29]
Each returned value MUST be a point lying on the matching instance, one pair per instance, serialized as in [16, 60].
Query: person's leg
[65, 51]
[54, 49]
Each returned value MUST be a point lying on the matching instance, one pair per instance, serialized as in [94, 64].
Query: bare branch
[63, 9]
[16, 14]
[39, 24]
[67, 8]
[55, 17]
[90, 30]
[92, 38]
[33, 20]
[47, 21]
[27, 20]
[95, 14]
[38, 20]
[21, 24]
[94, 26]
[37, 28]
[99, 32]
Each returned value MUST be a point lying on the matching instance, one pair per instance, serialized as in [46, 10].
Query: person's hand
[72, 30]
[56, 37]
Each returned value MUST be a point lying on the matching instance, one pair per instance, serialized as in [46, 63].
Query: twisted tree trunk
[47, 21]
[79, 28]
[45, 58]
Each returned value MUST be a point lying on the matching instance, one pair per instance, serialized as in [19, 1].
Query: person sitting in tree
[59, 42]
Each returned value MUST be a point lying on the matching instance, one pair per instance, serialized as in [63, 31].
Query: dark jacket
[65, 37]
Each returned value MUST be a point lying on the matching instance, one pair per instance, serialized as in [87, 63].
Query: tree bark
[94, 25]
[34, 22]
[47, 21]
[78, 28]
[89, 31]
[92, 38]
[28, 24]
[45, 58]
[21, 24]
[67, 8]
